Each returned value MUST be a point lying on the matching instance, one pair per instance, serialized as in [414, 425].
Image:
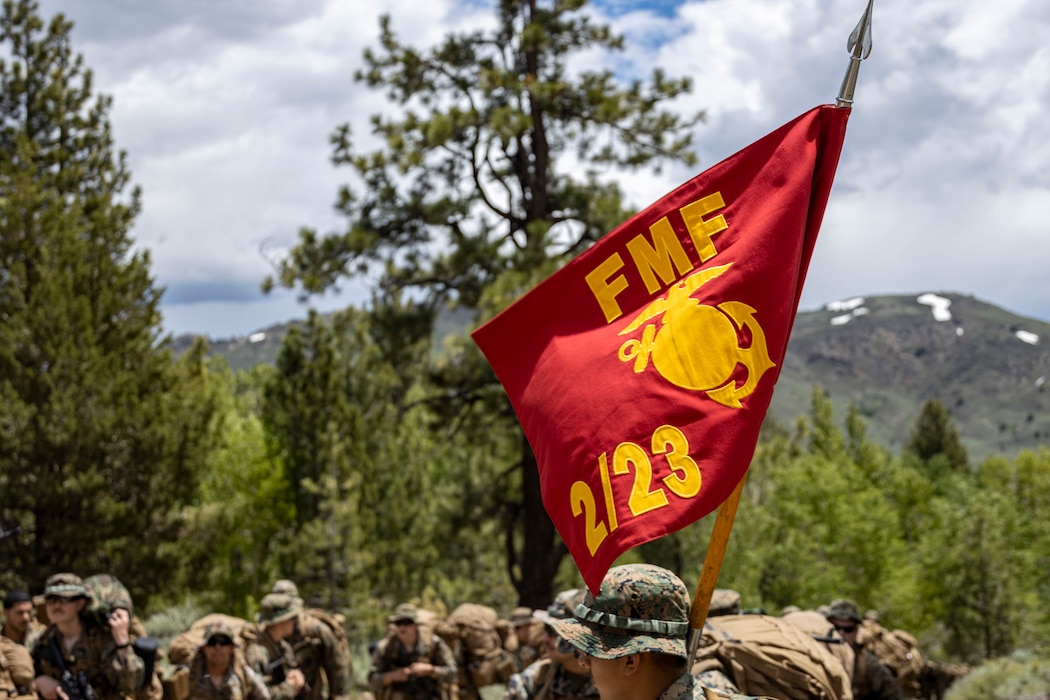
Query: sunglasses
[403, 623]
[219, 642]
[846, 629]
[54, 600]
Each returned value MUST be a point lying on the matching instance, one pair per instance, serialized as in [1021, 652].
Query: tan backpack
[897, 650]
[817, 626]
[766, 655]
[482, 643]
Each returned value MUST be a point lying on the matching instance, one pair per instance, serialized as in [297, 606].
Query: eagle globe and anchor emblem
[696, 346]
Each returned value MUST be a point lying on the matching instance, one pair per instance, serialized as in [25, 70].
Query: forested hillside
[885, 355]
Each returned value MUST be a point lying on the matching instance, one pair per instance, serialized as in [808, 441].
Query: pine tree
[101, 432]
[465, 205]
[934, 436]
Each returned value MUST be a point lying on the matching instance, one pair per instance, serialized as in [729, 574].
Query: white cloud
[225, 110]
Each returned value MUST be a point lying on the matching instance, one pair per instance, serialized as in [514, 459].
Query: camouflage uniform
[390, 654]
[265, 655]
[239, 683]
[639, 609]
[872, 680]
[317, 648]
[548, 680]
[94, 653]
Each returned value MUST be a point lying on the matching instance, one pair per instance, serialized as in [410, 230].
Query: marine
[632, 636]
[98, 659]
[559, 676]
[871, 679]
[321, 654]
[411, 663]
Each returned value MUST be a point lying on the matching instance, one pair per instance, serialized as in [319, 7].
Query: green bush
[1020, 675]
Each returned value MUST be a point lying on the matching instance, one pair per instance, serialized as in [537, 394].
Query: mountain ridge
[884, 354]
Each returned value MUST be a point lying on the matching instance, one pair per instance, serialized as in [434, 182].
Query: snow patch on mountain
[939, 305]
[845, 304]
[1027, 337]
[846, 318]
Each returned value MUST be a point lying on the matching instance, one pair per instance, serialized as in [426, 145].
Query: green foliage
[1018, 676]
[172, 621]
[102, 433]
[243, 501]
[464, 202]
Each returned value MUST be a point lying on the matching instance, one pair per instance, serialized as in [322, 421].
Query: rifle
[277, 673]
[415, 687]
[76, 687]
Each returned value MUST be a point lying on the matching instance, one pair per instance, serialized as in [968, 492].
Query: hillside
[887, 355]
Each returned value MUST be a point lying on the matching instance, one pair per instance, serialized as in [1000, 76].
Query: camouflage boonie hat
[66, 585]
[220, 628]
[724, 601]
[405, 611]
[276, 608]
[285, 587]
[562, 607]
[519, 617]
[843, 610]
[639, 608]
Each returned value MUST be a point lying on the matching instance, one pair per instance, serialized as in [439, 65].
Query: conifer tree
[101, 432]
[934, 436]
[465, 204]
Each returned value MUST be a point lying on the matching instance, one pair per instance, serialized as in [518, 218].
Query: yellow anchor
[696, 345]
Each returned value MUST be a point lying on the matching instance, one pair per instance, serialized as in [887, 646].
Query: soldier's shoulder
[42, 638]
[537, 668]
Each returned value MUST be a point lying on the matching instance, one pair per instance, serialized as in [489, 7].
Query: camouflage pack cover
[769, 656]
[335, 623]
[481, 642]
[105, 594]
[184, 647]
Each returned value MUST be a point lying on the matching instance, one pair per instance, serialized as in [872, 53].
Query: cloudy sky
[225, 108]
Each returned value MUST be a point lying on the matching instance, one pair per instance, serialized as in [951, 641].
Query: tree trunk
[543, 550]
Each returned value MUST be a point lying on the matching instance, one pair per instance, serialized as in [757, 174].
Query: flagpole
[716, 550]
[859, 46]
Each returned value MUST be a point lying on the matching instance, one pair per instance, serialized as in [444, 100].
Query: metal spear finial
[859, 46]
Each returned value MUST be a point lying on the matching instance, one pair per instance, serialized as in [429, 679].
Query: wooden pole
[716, 550]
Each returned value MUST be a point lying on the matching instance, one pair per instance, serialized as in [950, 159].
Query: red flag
[642, 370]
